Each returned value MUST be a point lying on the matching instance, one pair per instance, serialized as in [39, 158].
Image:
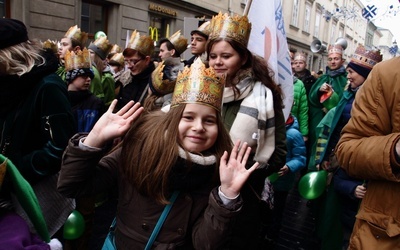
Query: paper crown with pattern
[116, 49]
[180, 42]
[199, 84]
[300, 56]
[164, 76]
[366, 58]
[118, 58]
[75, 33]
[204, 29]
[236, 27]
[335, 49]
[78, 60]
[49, 44]
[143, 44]
[101, 46]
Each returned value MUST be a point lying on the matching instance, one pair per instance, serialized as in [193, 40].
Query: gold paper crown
[116, 49]
[144, 44]
[366, 58]
[235, 27]
[335, 49]
[163, 85]
[101, 47]
[204, 28]
[75, 33]
[180, 42]
[300, 56]
[78, 60]
[118, 58]
[49, 44]
[199, 84]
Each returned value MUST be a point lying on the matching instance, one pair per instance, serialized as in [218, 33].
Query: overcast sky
[386, 17]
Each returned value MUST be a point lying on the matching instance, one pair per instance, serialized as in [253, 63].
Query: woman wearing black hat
[35, 118]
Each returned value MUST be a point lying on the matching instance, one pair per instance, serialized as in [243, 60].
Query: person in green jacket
[99, 50]
[325, 94]
[252, 111]
[300, 106]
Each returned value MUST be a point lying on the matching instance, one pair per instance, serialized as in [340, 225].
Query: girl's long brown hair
[150, 151]
[259, 67]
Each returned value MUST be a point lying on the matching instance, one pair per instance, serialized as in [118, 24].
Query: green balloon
[99, 34]
[74, 226]
[313, 184]
[273, 177]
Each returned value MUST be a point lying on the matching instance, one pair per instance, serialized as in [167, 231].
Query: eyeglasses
[132, 62]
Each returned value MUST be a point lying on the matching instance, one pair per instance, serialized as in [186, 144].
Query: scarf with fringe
[255, 120]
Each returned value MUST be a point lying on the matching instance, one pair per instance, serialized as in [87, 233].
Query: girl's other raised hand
[233, 172]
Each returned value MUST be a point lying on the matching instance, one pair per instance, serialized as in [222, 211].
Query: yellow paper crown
[101, 47]
[300, 56]
[366, 58]
[75, 33]
[235, 27]
[78, 60]
[160, 83]
[144, 44]
[49, 44]
[204, 28]
[118, 58]
[335, 49]
[180, 42]
[116, 49]
[199, 84]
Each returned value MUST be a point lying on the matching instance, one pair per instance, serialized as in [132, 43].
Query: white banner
[268, 39]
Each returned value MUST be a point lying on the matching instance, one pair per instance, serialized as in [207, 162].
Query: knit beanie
[12, 32]
[72, 74]
[364, 72]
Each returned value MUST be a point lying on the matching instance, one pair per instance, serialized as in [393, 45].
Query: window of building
[317, 23]
[333, 32]
[307, 16]
[295, 13]
[93, 18]
[4, 8]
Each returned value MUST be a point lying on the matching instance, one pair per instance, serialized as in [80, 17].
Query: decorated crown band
[78, 60]
[101, 46]
[163, 78]
[143, 44]
[235, 27]
[199, 84]
[180, 42]
[75, 33]
[300, 56]
[335, 49]
[366, 58]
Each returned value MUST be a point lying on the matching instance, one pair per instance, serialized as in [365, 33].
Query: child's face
[80, 83]
[65, 45]
[198, 129]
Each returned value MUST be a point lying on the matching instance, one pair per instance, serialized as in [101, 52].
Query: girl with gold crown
[176, 160]
[252, 111]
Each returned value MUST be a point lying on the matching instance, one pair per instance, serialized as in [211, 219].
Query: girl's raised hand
[113, 125]
[233, 172]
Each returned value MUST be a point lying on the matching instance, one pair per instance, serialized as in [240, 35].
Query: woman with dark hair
[252, 112]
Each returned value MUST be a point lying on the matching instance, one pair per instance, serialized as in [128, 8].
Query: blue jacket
[295, 157]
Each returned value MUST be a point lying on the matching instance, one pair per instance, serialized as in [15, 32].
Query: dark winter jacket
[197, 220]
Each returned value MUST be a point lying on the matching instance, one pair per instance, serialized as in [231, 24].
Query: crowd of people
[179, 154]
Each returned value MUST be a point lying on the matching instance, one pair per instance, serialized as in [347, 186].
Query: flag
[268, 39]
[369, 12]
